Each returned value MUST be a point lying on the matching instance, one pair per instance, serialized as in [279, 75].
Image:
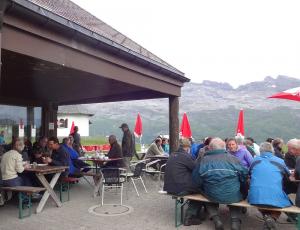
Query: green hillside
[260, 124]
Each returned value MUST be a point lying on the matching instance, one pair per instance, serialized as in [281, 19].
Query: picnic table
[40, 172]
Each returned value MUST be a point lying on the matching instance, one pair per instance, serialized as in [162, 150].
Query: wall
[82, 121]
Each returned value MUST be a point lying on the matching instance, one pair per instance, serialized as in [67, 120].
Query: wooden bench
[64, 186]
[180, 202]
[24, 194]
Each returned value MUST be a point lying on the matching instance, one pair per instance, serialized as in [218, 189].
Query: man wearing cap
[128, 145]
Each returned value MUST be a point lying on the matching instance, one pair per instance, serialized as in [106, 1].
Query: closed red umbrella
[290, 94]
[185, 130]
[138, 130]
[72, 128]
[240, 131]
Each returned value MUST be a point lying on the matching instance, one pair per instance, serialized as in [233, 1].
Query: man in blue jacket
[268, 173]
[219, 176]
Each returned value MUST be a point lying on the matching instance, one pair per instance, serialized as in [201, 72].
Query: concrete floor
[150, 211]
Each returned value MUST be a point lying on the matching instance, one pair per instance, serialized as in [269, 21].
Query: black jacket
[290, 160]
[128, 144]
[115, 152]
[178, 174]
[60, 157]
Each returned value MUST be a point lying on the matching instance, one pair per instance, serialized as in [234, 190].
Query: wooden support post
[30, 121]
[3, 7]
[49, 120]
[173, 123]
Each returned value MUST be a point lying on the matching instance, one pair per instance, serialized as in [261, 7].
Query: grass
[96, 140]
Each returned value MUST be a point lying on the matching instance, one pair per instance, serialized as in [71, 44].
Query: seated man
[11, 165]
[219, 176]
[75, 165]
[115, 152]
[37, 155]
[42, 144]
[59, 156]
[267, 173]
[294, 163]
[155, 149]
[178, 180]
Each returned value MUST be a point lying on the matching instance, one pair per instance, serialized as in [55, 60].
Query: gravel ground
[150, 211]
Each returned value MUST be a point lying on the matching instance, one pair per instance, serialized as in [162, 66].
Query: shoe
[244, 210]
[191, 221]
[218, 223]
[235, 224]
[292, 218]
[36, 196]
[270, 223]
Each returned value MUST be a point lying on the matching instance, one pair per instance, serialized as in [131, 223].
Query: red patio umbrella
[72, 128]
[290, 94]
[240, 131]
[185, 130]
[138, 130]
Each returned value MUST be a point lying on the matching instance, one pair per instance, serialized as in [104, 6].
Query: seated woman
[155, 149]
[76, 165]
[165, 145]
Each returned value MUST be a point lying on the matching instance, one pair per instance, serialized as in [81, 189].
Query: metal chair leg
[143, 184]
[102, 195]
[122, 194]
[135, 186]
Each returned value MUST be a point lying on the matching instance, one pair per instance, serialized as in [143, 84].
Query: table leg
[49, 191]
[97, 181]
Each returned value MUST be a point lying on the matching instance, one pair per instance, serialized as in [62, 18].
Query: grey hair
[112, 137]
[217, 143]
[239, 140]
[294, 143]
[266, 147]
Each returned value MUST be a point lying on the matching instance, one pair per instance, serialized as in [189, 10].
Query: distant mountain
[212, 108]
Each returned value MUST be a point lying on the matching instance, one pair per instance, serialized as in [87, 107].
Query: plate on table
[42, 164]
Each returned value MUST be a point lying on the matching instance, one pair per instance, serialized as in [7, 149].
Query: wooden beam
[64, 56]
[174, 123]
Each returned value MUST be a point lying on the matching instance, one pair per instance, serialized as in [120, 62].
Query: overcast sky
[235, 41]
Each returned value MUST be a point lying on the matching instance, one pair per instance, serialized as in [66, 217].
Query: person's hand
[292, 177]
[47, 160]
[27, 166]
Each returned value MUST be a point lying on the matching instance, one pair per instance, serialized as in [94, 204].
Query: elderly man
[128, 145]
[293, 151]
[178, 180]
[268, 173]
[115, 152]
[155, 149]
[11, 165]
[219, 176]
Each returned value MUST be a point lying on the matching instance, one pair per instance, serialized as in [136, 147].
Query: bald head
[112, 139]
[294, 147]
[216, 143]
